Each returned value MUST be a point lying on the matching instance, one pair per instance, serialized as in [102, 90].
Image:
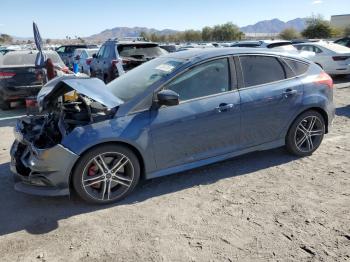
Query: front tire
[106, 174]
[306, 134]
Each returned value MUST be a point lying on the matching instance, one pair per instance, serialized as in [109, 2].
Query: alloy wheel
[309, 134]
[107, 176]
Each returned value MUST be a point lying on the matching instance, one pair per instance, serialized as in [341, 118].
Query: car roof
[275, 41]
[75, 45]
[131, 42]
[24, 52]
[207, 53]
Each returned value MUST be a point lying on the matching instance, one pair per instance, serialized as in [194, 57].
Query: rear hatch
[134, 54]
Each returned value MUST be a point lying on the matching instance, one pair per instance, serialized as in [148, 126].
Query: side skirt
[208, 161]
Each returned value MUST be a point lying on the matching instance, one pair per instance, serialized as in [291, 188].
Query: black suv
[66, 52]
[116, 57]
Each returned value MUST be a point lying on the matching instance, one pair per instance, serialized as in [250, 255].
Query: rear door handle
[289, 92]
[224, 107]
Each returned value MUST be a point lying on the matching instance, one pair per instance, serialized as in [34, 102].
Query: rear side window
[258, 70]
[299, 68]
[100, 52]
[107, 54]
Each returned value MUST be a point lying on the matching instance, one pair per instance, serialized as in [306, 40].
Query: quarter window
[298, 67]
[258, 70]
[100, 52]
[203, 80]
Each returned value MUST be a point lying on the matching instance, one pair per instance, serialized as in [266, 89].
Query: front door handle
[290, 92]
[224, 107]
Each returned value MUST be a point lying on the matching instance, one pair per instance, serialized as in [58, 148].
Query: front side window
[203, 80]
[258, 70]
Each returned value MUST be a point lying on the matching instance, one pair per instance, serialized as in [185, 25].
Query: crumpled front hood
[91, 87]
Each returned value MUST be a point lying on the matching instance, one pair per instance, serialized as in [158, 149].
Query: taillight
[340, 58]
[39, 75]
[88, 61]
[126, 61]
[6, 75]
[324, 79]
[65, 70]
[114, 63]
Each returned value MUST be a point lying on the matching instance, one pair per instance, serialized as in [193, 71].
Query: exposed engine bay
[49, 129]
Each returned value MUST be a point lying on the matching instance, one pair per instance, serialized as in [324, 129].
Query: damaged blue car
[171, 114]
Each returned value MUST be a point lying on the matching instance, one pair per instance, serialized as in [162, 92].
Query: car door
[96, 65]
[82, 61]
[270, 96]
[106, 61]
[206, 122]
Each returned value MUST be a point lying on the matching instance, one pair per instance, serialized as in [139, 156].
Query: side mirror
[94, 56]
[168, 98]
[77, 57]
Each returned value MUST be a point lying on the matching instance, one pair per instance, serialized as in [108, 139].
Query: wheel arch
[317, 109]
[127, 145]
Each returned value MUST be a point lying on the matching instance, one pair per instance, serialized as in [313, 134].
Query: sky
[61, 18]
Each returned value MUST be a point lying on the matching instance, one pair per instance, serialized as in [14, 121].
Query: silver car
[83, 58]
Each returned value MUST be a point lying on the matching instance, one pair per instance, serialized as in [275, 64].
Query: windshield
[140, 78]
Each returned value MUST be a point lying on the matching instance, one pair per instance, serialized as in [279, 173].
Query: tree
[207, 33]
[4, 38]
[48, 41]
[347, 31]
[317, 27]
[225, 32]
[289, 34]
[192, 35]
[144, 35]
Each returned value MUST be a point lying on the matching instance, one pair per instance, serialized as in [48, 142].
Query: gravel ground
[265, 206]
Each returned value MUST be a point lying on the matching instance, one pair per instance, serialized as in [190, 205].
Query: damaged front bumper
[42, 172]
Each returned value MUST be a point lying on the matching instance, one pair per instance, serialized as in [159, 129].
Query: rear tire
[306, 134]
[106, 174]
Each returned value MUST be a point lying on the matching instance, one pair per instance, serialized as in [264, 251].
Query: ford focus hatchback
[171, 114]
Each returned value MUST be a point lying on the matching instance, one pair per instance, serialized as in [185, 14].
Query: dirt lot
[263, 206]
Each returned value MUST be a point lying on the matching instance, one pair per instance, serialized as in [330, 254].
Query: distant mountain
[275, 26]
[119, 32]
[267, 26]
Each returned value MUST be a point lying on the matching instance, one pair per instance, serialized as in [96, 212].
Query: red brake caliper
[92, 171]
